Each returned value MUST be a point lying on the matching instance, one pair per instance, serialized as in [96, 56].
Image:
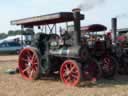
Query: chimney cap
[76, 10]
[114, 17]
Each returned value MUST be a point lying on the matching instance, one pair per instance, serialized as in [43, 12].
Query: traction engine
[51, 53]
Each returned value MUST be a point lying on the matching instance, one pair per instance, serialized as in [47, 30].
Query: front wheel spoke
[31, 73]
[26, 69]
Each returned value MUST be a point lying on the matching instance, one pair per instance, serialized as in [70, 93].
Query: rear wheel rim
[70, 73]
[29, 64]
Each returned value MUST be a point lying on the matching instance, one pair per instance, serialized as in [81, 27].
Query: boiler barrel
[70, 52]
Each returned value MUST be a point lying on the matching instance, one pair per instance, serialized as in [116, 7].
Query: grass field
[14, 85]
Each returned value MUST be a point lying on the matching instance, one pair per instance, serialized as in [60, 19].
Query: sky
[100, 12]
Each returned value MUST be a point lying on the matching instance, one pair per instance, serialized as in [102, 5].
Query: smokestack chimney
[77, 33]
[114, 30]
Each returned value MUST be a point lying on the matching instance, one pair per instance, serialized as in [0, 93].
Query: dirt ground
[14, 85]
[9, 58]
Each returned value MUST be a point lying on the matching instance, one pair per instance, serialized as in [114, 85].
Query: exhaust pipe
[114, 30]
[77, 33]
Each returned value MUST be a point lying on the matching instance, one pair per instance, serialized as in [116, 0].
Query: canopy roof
[94, 28]
[46, 19]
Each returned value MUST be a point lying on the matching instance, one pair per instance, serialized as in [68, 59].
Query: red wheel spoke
[35, 68]
[74, 76]
[67, 67]
[35, 63]
[26, 69]
[31, 73]
[72, 68]
[107, 61]
[26, 60]
[33, 57]
[68, 78]
[107, 66]
[26, 65]
[64, 75]
[29, 58]
[28, 53]
[74, 72]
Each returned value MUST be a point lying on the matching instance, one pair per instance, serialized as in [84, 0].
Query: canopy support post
[55, 29]
[45, 29]
[51, 29]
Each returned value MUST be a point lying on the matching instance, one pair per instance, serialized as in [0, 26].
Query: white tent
[11, 38]
[17, 38]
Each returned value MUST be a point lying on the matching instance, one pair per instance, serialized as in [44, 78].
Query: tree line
[16, 32]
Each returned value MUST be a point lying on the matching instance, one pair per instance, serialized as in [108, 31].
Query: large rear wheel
[70, 73]
[29, 63]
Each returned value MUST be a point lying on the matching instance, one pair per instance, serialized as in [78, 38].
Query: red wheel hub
[29, 64]
[70, 73]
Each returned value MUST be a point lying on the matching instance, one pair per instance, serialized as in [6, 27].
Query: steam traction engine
[50, 52]
[100, 49]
